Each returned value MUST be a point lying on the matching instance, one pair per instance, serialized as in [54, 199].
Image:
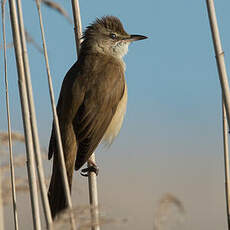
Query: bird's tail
[56, 193]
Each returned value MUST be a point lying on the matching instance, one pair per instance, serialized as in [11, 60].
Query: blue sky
[174, 97]
[172, 77]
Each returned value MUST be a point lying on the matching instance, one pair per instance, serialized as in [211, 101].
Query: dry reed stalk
[226, 162]
[55, 117]
[33, 121]
[93, 196]
[77, 24]
[92, 177]
[13, 189]
[58, 8]
[224, 85]
[25, 116]
[1, 206]
[219, 57]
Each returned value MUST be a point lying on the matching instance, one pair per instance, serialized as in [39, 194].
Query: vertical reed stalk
[92, 178]
[93, 196]
[25, 116]
[13, 188]
[41, 176]
[219, 56]
[56, 122]
[77, 24]
[1, 206]
[226, 162]
[225, 89]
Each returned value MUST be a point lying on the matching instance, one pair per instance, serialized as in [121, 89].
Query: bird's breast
[117, 120]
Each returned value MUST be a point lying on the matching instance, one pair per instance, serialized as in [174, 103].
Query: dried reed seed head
[169, 199]
[58, 8]
[83, 215]
[166, 204]
[14, 135]
[19, 162]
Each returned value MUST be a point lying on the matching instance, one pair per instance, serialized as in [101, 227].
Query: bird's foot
[92, 167]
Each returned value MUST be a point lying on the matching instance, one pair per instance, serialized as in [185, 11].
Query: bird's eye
[113, 36]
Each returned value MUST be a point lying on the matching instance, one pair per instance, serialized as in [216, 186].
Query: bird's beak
[136, 37]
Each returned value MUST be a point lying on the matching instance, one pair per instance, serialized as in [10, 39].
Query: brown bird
[92, 101]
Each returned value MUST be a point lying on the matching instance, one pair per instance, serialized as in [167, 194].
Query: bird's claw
[92, 168]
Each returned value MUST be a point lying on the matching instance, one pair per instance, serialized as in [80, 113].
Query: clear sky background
[171, 140]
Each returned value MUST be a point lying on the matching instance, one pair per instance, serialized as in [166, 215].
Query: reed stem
[92, 178]
[25, 116]
[12, 174]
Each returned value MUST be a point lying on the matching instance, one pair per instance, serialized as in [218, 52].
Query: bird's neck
[91, 58]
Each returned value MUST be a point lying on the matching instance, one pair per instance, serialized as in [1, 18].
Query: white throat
[120, 49]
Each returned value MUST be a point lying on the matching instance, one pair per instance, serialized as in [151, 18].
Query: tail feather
[56, 193]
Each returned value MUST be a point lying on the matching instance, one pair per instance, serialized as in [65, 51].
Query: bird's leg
[92, 167]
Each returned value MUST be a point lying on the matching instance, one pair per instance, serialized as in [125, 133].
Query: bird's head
[107, 36]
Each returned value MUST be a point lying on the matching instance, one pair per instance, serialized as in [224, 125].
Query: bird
[92, 102]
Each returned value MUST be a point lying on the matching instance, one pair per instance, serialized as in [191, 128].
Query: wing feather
[70, 99]
[96, 112]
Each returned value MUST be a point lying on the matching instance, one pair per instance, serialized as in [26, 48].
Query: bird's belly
[117, 120]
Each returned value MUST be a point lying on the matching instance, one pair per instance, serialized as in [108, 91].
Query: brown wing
[102, 97]
[70, 99]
